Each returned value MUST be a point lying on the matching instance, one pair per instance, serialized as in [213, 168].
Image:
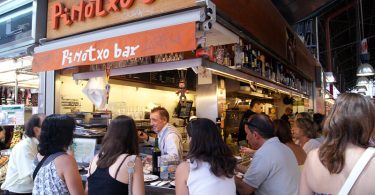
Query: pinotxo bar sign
[68, 17]
[147, 43]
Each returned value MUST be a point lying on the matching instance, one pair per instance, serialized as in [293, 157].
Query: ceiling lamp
[362, 81]
[365, 69]
[329, 77]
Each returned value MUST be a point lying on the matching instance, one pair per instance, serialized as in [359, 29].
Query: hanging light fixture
[329, 77]
[365, 69]
[362, 81]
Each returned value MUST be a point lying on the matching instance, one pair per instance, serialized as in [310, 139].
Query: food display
[3, 160]
[3, 167]
[17, 135]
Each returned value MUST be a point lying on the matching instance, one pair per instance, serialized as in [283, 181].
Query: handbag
[356, 171]
[130, 165]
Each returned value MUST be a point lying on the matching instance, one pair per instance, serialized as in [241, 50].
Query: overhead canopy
[166, 34]
[172, 39]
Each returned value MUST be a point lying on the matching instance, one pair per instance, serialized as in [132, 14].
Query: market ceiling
[296, 10]
[344, 32]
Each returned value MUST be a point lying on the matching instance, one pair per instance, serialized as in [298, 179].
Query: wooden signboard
[68, 17]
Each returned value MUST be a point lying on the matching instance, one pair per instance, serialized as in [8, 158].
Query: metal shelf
[248, 77]
[192, 63]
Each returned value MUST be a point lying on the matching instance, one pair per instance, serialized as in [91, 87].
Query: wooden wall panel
[268, 27]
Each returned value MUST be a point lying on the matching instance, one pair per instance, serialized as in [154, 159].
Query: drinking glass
[243, 144]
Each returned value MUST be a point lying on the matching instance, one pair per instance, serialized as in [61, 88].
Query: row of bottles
[171, 57]
[246, 57]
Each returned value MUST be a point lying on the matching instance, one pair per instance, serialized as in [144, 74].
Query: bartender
[170, 140]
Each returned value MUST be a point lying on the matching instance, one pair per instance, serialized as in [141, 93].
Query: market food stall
[96, 65]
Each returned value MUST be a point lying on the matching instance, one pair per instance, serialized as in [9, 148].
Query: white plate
[148, 178]
[173, 183]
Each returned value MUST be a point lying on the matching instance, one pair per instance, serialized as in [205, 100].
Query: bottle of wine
[246, 62]
[254, 63]
[238, 55]
[156, 153]
[242, 55]
[250, 56]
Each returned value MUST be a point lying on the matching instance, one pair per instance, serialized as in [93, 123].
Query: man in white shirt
[170, 140]
[274, 168]
[19, 177]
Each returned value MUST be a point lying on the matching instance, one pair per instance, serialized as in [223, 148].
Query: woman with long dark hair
[349, 127]
[108, 172]
[210, 165]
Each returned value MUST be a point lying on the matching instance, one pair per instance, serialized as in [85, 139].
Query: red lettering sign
[88, 9]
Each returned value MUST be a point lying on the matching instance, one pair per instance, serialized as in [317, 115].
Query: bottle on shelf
[156, 153]
[262, 60]
[227, 57]
[246, 60]
[242, 55]
[278, 72]
[267, 70]
[254, 60]
[238, 55]
[219, 54]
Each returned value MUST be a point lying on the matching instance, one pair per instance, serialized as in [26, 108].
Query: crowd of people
[313, 155]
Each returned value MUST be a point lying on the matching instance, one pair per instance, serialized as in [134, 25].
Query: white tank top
[202, 181]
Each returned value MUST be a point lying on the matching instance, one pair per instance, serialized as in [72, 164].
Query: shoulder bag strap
[131, 165]
[357, 170]
[36, 170]
[46, 159]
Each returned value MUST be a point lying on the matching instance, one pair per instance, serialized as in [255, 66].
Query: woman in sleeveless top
[108, 172]
[59, 173]
[349, 128]
[210, 166]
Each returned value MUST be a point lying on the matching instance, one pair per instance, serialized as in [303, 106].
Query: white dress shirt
[170, 141]
[19, 177]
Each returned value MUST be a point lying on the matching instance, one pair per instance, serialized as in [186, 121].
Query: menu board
[12, 114]
[84, 150]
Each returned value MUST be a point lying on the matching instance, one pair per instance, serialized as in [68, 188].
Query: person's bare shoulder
[65, 161]
[183, 168]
